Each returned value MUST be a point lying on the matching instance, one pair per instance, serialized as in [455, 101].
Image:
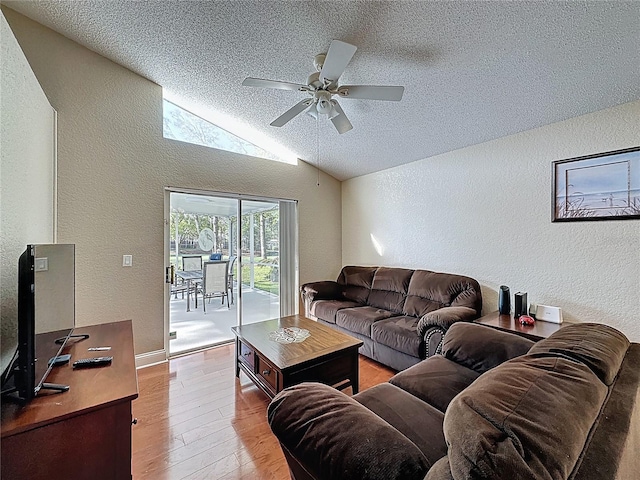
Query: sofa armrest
[445, 317]
[326, 290]
[433, 337]
[330, 435]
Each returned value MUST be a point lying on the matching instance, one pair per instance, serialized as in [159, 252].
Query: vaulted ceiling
[472, 71]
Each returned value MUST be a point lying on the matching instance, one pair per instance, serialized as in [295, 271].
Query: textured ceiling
[472, 71]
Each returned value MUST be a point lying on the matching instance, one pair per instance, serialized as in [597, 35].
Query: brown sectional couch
[401, 315]
[492, 405]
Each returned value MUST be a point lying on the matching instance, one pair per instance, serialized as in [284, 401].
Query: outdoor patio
[195, 329]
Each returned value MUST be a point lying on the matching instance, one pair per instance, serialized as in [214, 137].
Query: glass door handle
[170, 275]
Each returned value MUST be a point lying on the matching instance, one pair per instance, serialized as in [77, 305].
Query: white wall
[485, 211]
[26, 175]
[113, 165]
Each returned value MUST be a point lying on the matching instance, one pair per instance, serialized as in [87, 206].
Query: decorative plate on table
[289, 335]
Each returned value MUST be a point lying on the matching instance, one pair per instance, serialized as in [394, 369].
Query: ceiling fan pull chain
[318, 149]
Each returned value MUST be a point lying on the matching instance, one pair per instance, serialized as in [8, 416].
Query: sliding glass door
[256, 238]
[260, 260]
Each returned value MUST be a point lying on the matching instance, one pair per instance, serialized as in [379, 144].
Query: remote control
[92, 362]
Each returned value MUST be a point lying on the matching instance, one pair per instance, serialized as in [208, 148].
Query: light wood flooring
[196, 420]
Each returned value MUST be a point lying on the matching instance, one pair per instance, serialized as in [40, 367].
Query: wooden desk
[85, 432]
[508, 323]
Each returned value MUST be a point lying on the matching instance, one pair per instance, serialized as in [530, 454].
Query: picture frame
[602, 186]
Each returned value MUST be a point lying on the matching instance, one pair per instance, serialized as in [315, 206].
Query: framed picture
[604, 186]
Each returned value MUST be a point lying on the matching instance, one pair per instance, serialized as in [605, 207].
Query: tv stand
[85, 433]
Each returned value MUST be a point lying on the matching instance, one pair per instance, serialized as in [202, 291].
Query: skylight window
[184, 126]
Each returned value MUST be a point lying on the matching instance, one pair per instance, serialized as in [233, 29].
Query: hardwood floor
[196, 420]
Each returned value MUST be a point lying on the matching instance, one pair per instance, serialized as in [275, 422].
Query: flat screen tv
[46, 317]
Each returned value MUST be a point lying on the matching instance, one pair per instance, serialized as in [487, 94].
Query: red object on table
[526, 320]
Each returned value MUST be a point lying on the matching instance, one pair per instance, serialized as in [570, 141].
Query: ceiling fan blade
[259, 82]
[340, 121]
[297, 109]
[336, 60]
[371, 92]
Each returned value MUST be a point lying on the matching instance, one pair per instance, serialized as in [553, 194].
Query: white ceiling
[472, 71]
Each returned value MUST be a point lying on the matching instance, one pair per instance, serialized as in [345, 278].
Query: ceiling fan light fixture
[312, 111]
[334, 112]
[324, 106]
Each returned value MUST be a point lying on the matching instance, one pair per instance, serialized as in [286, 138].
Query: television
[46, 318]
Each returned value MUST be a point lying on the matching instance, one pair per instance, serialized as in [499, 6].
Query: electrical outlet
[127, 260]
[173, 335]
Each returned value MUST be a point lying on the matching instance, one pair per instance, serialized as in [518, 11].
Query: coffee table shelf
[326, 356]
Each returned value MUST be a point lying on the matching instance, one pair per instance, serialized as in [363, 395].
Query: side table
[508, 323]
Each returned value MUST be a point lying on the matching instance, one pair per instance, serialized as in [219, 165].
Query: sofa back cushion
[429, 291]
[389, 288]
[356, 283]
[599, 347]
[528, 418]
[531, 417]
[482, 348]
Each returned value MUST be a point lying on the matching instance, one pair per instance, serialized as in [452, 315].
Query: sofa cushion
[528, 418]
[435, 380]
[599, 347]
[356, 283]
[327, 309]
[480, 347]
[399, 333]
[429, 291]
[334, 436]
[440, 470]
[360, 319]
[415, 419]
[389, 288]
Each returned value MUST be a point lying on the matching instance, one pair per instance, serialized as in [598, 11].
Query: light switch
[42, 264]
[127, 260]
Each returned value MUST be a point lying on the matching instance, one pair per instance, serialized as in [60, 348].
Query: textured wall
[113, 165]
[26, 174]
[485, 211]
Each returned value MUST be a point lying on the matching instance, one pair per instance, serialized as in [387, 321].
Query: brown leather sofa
[493, 405]
[401, 315]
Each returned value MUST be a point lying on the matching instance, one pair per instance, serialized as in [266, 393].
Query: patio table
[189, 276]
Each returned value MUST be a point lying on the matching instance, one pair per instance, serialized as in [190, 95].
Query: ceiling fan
[323, 85]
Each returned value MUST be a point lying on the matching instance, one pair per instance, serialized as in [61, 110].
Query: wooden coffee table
[326, 356]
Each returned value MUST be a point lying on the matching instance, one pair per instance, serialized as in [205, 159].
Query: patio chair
[192, 263]
[215, 282]
[177, 284]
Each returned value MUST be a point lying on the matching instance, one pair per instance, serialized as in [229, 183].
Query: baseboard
[151, 358]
